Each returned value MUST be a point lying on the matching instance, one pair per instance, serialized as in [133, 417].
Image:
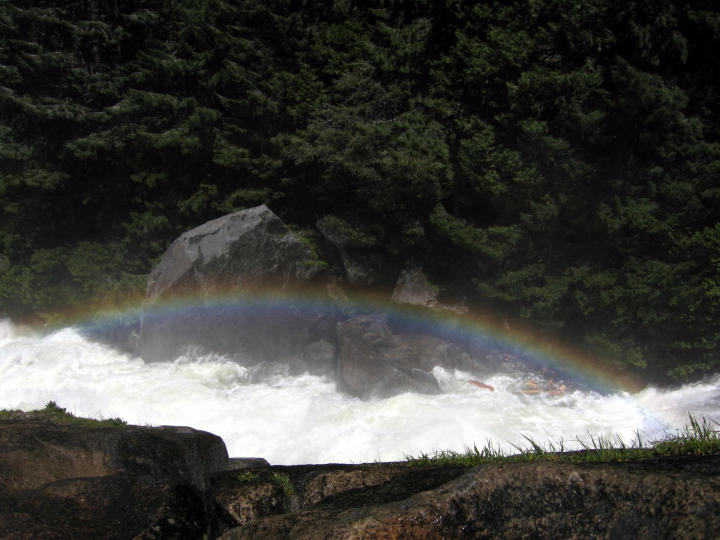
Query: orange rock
[482, 385]
[556, 389]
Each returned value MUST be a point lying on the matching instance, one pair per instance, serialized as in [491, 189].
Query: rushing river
[303, 419]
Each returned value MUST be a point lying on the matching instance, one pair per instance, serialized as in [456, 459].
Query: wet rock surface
[376, 362]
[86, 480]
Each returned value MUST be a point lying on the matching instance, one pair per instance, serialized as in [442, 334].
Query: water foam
[7, 331]
[303, 419]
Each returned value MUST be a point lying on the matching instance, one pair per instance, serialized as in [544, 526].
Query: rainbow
[509, 338]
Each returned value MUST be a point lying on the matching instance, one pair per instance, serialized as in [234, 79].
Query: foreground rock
[670, 498]
[92, 480]
[64, 478]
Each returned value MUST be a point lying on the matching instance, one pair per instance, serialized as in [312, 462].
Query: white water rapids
[303, 419]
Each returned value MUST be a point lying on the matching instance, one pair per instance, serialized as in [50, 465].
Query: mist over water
[303, 419]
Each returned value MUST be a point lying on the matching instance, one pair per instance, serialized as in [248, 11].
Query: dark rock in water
[246, 250]
[87, 480]
[426, 352]
[241, 252]
[122, 334]
[375, 362]
[364, 368]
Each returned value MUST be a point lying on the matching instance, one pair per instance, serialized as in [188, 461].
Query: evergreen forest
[559, 159]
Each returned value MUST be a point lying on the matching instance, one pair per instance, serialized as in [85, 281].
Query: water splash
[304, 419]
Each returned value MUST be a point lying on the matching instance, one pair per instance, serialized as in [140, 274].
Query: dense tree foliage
[561, 159]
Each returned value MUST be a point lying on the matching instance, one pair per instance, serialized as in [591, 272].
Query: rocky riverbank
[63, 477]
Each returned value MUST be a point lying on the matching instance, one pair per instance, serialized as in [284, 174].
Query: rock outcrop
[374, 362]
[62, 477]
[670, 498]
[91, 480]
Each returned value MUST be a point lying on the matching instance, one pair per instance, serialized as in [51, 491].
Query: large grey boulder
[246, 250]
[375, 362]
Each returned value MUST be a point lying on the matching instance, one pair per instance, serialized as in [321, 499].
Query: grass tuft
[247, 476]
[697, 439]
[59, 415]
[283, 481]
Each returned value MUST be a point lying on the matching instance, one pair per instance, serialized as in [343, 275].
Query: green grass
[283, 481]
[247, 476]
[59, 415]
[698, 439]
